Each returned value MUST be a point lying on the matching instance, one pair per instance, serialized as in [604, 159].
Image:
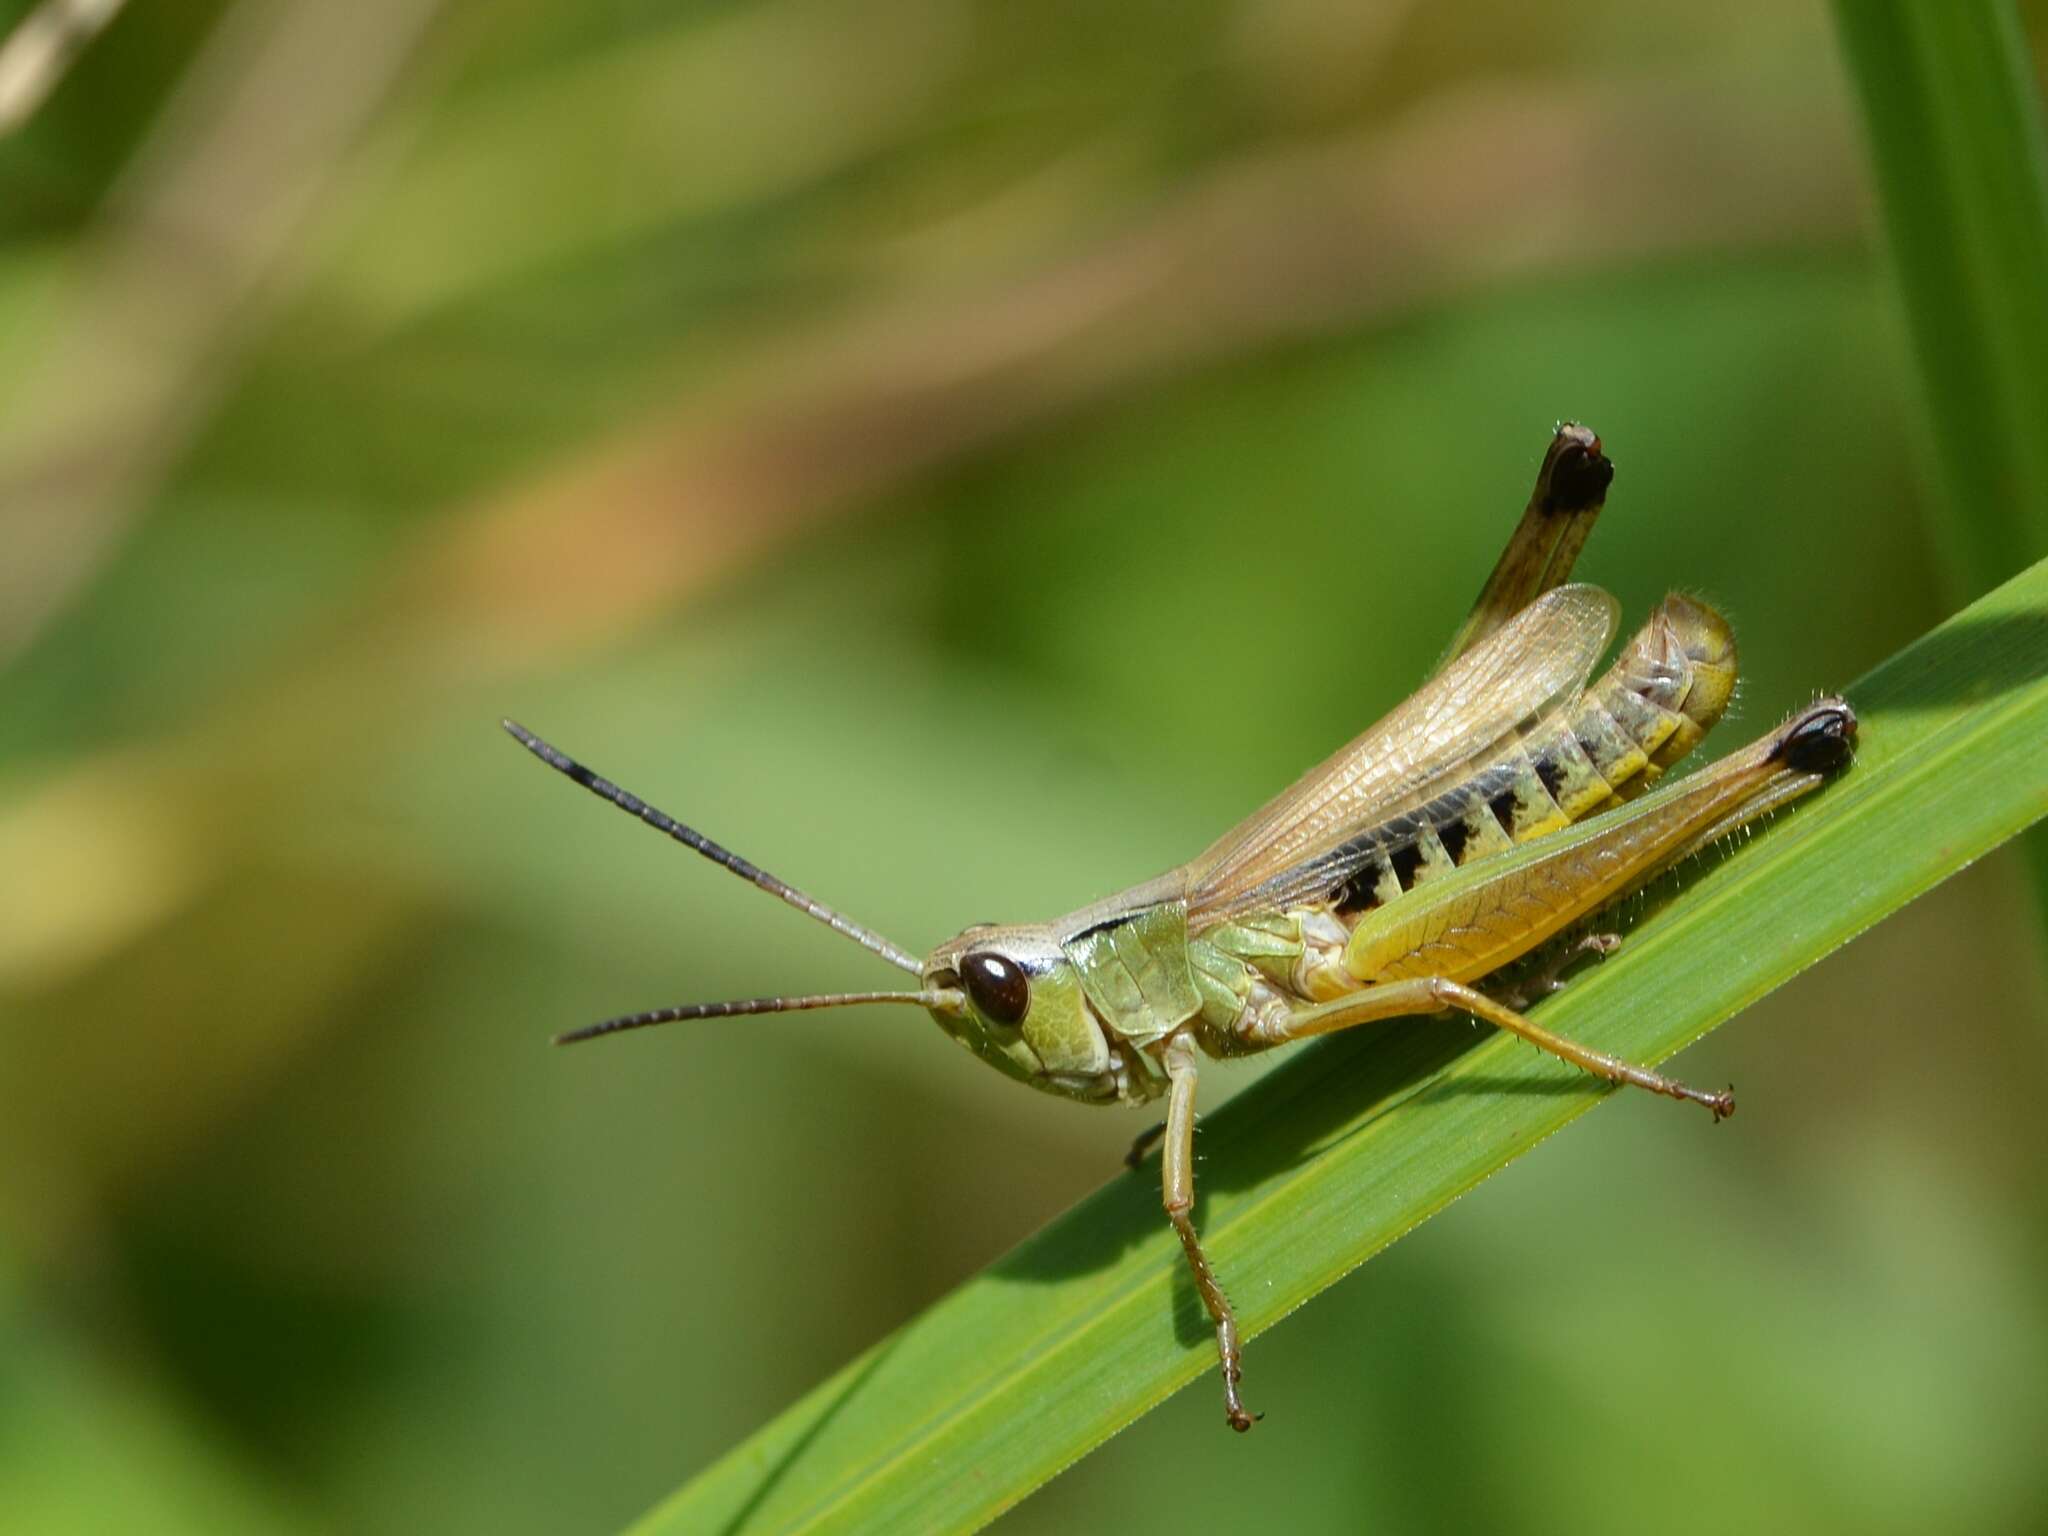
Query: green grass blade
[1315, 1168]
[1954, 126]
[1953, 121]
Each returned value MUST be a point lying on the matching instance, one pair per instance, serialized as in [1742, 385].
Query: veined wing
[1464, 717]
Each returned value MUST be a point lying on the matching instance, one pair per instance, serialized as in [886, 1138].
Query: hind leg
[1571, 487]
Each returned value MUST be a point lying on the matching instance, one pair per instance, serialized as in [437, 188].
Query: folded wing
[1464, 718]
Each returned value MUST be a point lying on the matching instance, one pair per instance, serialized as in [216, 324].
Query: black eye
[999, 987]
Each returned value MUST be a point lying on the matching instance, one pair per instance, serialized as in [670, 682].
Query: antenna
[689, 837]
[945, 998]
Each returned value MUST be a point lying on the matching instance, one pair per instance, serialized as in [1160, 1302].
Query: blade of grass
[1317, 1167]
[1954, 126]
[1953, 121]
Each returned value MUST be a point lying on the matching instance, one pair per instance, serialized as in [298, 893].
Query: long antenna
[938, 997]
[689, 837]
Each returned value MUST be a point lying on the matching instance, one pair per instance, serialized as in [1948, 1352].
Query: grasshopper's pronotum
[1488, 817]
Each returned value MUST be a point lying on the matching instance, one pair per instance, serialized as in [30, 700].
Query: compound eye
[998, 985]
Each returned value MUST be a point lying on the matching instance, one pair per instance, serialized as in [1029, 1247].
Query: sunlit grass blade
[1032, 1363]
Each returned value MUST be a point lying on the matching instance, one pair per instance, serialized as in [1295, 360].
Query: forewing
[1463, 718]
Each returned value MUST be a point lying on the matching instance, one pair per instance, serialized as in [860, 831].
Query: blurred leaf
[1955, 138]
[1954, 123]
[86, 1446]
[1355, 1142]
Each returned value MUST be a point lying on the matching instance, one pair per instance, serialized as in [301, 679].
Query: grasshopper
[1450, 860]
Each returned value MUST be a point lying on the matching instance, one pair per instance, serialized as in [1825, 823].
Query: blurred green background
[880, 431]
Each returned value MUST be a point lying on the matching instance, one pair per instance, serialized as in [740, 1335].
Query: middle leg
[1177, 1176]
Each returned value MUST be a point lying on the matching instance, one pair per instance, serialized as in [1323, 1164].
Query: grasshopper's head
[1014, 999]
[1010, 995]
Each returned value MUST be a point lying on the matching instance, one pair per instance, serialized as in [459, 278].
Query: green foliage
[1953, 118]
[1954, 123]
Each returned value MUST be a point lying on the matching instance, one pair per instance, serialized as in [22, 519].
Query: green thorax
[1135, 971]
